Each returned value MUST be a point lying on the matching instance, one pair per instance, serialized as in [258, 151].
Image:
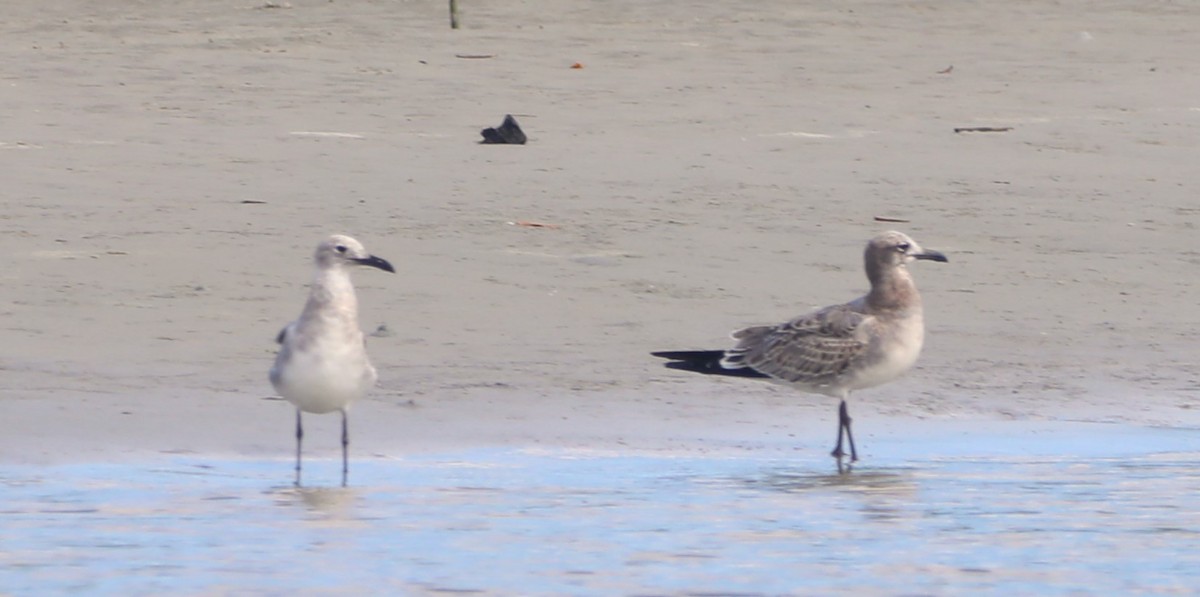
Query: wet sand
[169, 168]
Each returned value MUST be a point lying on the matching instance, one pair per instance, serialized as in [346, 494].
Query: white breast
[325, 378]
[894, 354]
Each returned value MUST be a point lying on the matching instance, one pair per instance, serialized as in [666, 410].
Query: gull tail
[703, 361]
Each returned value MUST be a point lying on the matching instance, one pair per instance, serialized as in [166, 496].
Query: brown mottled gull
[866, 342]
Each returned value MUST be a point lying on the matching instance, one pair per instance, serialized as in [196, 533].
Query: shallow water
[1092, 509]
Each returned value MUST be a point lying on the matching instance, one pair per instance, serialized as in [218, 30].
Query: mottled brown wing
[811, 349]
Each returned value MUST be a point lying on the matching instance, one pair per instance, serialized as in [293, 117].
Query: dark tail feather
[702, 361]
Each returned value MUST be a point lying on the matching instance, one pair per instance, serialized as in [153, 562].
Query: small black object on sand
[509, 132]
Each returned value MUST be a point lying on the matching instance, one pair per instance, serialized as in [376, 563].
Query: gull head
[896, 249]
[340, 250]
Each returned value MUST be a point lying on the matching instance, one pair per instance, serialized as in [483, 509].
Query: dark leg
[299, 438]
[846, 420]
[837, 450]
[345, 449]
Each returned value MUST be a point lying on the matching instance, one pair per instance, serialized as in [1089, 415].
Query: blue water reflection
[1108, 517]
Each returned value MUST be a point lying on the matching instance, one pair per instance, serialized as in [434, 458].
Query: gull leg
[299, 438]
[844, 415]
[345, 449]
[837, 450]
[844, 426]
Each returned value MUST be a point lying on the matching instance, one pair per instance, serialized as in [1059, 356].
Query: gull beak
[931, 255]
[383, 264]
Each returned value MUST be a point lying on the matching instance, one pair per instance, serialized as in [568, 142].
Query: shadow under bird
[838, 349]
[322, 365]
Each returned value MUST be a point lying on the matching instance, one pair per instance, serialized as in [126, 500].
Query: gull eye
[903, 247]
[340, 248]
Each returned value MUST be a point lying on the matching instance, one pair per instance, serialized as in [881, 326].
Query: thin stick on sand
[454, 14]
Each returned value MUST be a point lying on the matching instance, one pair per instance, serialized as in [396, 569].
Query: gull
[322, 365]
[838, 349]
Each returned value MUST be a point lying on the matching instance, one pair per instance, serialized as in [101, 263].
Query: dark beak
[930, 255]
[383, 264]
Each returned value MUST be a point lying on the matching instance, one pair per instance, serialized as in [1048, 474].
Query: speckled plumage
[835, 350]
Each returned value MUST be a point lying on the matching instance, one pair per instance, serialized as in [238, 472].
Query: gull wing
[812, 349]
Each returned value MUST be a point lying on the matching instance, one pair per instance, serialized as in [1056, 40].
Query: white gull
[322, 365]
